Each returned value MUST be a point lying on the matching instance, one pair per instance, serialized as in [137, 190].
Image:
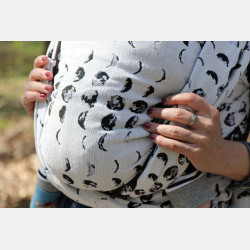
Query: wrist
[234, 160]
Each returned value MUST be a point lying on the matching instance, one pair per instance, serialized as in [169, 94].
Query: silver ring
[192, 121]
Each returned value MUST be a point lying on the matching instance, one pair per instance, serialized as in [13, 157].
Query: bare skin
[34, 89]
[202, 144]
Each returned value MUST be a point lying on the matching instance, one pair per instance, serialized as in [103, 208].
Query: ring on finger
[192, 121]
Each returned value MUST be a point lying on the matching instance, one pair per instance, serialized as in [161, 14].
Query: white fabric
[82, 157]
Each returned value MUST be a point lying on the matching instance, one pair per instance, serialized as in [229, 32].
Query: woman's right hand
[34, 89]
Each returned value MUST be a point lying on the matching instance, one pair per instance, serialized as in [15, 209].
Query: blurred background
[18, 161]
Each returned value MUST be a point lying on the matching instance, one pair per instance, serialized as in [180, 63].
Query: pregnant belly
[93, 136]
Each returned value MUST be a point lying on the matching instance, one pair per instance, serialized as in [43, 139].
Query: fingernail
[47, 88]
[164, 100]
[153, 136]
[44, 58]
[147, 125]
[150, 111]
[47, 74]
[42, 95]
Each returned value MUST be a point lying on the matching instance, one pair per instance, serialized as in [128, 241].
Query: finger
[37, 74]
[38, 87]
[173, 132]
[172, 145]
[174, 114]
[40, 61]
[195, 102]
[31, 96]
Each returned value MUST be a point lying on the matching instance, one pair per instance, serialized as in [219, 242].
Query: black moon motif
[108, 122]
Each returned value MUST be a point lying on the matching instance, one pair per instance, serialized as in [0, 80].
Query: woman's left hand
[201, 143]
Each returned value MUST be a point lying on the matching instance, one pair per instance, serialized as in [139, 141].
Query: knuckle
[192, 97]
[215, 114]
[175, 132]
[178, 114]
[172, 145]
[25, 97]
[209, 126]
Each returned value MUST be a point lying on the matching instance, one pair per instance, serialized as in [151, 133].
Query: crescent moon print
[213, 75]
[90, 97]
[243, 106]
[138, 107]
[153, 176]
[171, 173]
[67, 69]
[82, 141]
[213, 44]
[101, 142]
[163, 157]
[139, 192]
[140, 68]
[117, 166]
[88, 183]
[146, 198]
[91, 169]
[217, 190]
[163, 77]
[128, 134]
[116, 103]
[117, 181]
[186, 43]
[237, 66]
[67, 93]
[133, 205]
[139, 168]
[90, 57]
[68, 179]
[101, 78]
[139, 155]
[50, 107]
[180, 55]
[199, 92]
[50, 53]
[131, 122]
[149, 91]
[230, 120]
[202, 62]
[131, 43]
[68, 167]
[79, 74]
[62, 112]
[108, 122]
[219, 90]
[57, 133]
[81, 119]
[223, 57]
[114, 61]
[243, 195]
[181, 159]
[155, 187]
[56, 85]
[127, 86]
[41, 123]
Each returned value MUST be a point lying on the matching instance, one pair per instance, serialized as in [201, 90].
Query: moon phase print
[108, 122]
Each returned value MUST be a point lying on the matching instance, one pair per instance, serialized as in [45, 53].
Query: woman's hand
[34, 89]
[202, 143]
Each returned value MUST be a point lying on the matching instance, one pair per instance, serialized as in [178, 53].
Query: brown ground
[18, 164]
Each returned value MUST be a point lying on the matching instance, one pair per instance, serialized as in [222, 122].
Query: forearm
[234, 162]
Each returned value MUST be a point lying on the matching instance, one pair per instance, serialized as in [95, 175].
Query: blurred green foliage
[17, 57]
[16, 62]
